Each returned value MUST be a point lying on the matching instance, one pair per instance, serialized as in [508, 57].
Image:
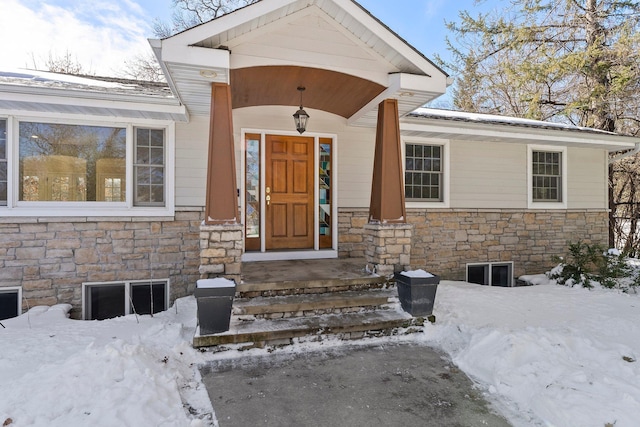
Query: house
[109, 185]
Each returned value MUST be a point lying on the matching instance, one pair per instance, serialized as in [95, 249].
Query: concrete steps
[301, 305]
[309, 286]
[261, 332]
[280, 301]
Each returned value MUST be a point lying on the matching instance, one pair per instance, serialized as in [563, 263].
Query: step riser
[252, 290]
[263, 338]
[314, 312]
[305, 304]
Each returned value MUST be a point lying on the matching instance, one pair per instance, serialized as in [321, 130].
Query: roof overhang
[214, 51]
[514, 132]
[15, 98]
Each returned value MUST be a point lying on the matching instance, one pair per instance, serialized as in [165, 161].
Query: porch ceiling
[326, 90]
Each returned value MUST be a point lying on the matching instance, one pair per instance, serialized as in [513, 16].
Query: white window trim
[490, 265]
[127, 292]
[12, 289]
[565, 172]
[15, 208]
[446, 175]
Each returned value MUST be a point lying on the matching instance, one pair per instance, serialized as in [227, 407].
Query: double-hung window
[547, 177]
[424, 173]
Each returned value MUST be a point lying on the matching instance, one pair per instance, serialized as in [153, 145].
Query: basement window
[108, 300]
[10, 302]
[491, 274]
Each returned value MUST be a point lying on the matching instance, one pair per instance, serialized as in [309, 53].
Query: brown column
[387, 192]
[222, 196]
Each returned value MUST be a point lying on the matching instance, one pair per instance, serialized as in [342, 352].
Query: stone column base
[388, 247]
[221, 251]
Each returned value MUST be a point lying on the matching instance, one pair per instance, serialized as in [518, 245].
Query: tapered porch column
[387, 192]
[222, 195]
[387, 234]
[221, 240]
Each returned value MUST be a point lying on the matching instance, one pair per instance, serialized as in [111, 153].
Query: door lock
[268, 200]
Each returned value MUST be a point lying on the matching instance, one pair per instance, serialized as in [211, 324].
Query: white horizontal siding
[483, 175]
[488, 175]
[587, 178]
[192, 141]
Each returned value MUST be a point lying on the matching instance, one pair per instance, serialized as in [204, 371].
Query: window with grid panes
[149, 167]
[423, 172]
[546, 176]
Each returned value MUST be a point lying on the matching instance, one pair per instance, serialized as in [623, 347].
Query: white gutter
[628, 153]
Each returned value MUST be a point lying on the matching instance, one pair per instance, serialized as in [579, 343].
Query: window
[423, 178]
[94, 169]
[108, 300]
[547, 176]
[149, 167]
[547, 172]
[491, 274]
[64, 163]
[10, 302]
[3, 162]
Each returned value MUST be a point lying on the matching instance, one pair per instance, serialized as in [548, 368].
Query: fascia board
[389, 37]
[493, 133]
[196, 56]
[156, 47]
[226, 22]
[398, 82]
[90, 100]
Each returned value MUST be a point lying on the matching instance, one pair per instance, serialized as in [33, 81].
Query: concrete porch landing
[304, 270]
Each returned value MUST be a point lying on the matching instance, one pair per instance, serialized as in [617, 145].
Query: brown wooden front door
[289, 192]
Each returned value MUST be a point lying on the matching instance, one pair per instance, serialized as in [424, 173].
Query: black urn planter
[214, 298]
[417, 294]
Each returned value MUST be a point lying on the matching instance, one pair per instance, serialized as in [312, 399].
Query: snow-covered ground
[545, 355]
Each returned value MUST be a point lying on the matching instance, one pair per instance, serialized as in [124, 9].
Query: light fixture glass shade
[301, 117]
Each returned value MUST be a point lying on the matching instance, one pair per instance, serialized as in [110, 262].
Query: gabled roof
[332, 35]
[42, 91]
[460, 125]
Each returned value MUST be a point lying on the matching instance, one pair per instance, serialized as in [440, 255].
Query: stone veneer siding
[52, 257]
[445, 240]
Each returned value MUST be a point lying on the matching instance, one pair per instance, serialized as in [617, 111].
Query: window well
[491, 273]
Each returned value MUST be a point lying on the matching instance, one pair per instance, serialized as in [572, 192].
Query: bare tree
[66, 64]
[189, 13]
[143, 67]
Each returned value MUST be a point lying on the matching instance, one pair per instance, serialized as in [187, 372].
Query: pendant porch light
[301, 117]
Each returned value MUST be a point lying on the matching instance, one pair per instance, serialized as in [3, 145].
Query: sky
[102, 34]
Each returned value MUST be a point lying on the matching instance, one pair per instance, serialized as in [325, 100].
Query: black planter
[214, 299]
[417, 294]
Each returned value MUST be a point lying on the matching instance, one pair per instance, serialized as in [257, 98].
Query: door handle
[268, 198]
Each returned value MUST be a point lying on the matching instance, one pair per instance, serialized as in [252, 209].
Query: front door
[289, 192]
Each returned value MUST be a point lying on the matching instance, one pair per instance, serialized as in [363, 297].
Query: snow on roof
[434, 113]
[46, 79]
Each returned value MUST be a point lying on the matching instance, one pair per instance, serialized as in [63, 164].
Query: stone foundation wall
[444, 240]
[51, 257]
